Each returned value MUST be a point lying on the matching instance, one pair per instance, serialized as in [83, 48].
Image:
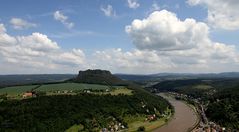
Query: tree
[141, 129]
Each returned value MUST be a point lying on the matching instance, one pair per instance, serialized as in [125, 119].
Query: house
[29, 94]
[151, 118]
[87, 91]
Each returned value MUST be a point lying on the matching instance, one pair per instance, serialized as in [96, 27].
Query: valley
[96, 100]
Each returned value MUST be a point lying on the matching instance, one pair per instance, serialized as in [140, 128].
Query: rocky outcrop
[98, 77]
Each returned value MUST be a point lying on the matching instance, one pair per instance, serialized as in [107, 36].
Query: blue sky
[107, 32]
[93, 30]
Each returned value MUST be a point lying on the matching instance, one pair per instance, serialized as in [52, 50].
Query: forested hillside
[224, 107]
[84, 111]
[93, 112]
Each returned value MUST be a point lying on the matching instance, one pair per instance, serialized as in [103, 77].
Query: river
[184, 117]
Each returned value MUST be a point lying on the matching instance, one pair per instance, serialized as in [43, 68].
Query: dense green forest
[201, 87]
[58, 113]
[224, 107]
[86, 111]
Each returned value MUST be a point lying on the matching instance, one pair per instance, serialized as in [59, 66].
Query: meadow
[17, 90]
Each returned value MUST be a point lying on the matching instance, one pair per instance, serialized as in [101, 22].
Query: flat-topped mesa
[98, 76]
[94, 72]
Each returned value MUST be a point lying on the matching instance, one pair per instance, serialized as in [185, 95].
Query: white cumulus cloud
[221, 13]
[2, 28]
[164, 43]
[162, 30]
[36, 52]
[19, 24]
[5, 39]
[185, 44]
[74, 58]
[59, 16]
[135, 61]
[133, 4]
[108, 11]
[38, 41]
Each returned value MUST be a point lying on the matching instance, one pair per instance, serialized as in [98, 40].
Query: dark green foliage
[93, 111]
[187, 86]
[174, 84]
[3, 97]
[182, 86]
[141, 129]
[58, 113]
[224, 108]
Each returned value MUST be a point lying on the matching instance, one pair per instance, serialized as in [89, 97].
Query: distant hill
[133, 77]
[195, 87]
[174, 76]
[98, 77]
[13, 80]
[199, 75]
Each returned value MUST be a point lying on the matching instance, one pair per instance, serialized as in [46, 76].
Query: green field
[136, 121]
[16, 90]
[149, 126]
[71, 86]
[75, 128]
[124, 91]
[202, 87]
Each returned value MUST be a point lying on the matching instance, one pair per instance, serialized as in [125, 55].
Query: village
[118, 126]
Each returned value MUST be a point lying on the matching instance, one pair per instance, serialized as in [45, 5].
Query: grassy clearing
[203, 87]
[124, 91]
[134, 122]
[13, 91]
[75, 128]
[149, 126]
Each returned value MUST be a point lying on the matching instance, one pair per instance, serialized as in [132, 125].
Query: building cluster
[113, 127]
[29, 94]
[151, 118]
[210, 127]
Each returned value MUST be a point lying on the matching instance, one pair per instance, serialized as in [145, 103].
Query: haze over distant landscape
[123, 36]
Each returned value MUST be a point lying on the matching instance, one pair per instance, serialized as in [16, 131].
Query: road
[184, 117]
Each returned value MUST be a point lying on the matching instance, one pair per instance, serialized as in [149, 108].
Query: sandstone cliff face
[98, 77]
[94, 73]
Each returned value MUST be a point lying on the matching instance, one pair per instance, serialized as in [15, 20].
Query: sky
[123, 36]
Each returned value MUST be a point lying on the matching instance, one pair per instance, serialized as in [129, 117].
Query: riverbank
[149, 125]
[184, 117]
[198, 118]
